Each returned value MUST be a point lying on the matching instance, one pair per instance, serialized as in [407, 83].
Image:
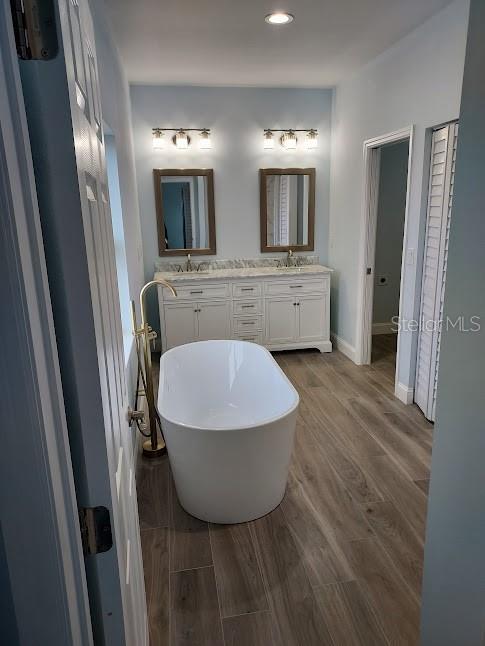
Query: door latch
[96, 536]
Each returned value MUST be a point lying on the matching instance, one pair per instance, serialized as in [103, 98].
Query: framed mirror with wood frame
[287, 209]
[184, 202]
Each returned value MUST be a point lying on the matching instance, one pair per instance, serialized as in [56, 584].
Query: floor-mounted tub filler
[229, 416]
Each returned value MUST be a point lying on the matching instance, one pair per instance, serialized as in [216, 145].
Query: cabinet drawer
[305, 286]
[244, 290]
[253, 337]
[241, 308]
[197, 292]
[247, 324]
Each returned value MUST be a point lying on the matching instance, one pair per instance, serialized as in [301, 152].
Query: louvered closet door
[440, 198]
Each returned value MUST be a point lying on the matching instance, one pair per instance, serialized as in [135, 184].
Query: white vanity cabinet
[187, 322]
[280, 311]
[299, 314]
[214, 320]
[281, 316]
[180, 324]
[299, 319]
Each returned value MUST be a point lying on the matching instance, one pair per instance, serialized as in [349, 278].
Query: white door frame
[40, 525]
[371, 152]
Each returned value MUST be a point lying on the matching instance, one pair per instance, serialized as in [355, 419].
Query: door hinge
[95, 525]
[34, 26]
[369, 271]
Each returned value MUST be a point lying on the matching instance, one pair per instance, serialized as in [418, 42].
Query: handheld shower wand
[154, 446]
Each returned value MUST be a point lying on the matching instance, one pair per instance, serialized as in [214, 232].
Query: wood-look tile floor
[339, 562]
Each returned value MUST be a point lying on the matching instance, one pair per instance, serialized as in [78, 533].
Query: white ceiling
[224, 42]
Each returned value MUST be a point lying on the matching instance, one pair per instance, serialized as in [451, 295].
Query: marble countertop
[242, 272]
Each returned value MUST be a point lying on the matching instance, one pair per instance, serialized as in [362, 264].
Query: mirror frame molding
[158, 173]
[263, 173]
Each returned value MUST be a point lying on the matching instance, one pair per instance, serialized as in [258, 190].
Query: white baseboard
[404, 393]
[344, 347]
[384, 328]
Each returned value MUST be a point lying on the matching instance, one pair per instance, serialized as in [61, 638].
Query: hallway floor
[339, 562]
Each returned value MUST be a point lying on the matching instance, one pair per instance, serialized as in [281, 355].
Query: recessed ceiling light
[279, 18]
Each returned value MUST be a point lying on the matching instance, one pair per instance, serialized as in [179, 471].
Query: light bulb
[205, 142]
[279, 18]
[311, 139]
[289, 140]
[268, 140]
[158, 139]
[181, 140]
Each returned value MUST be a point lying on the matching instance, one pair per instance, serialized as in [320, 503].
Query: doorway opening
[391, 210]
[387, 162]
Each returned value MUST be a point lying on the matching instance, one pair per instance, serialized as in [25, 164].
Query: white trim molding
[383, 328]
[344, 347]
[371, 151]
[404, 393]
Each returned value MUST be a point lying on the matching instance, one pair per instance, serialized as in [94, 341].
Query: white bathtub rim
[242, 427]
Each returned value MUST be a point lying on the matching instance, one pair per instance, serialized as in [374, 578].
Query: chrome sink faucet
[190, 266]
[289, 258]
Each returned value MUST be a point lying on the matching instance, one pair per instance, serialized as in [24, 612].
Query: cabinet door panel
[180, 324]
[214, 321]
[312, 317]
[280, 320]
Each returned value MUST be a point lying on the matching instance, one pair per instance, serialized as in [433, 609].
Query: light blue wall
[416, 81]
[453, 609]
[237, 117]
[390, 229]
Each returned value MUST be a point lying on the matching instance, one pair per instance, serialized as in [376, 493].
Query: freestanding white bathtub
[229, 415]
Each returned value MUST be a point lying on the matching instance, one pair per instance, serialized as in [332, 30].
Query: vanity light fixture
[205, 142]
[279, 18]
[158, 139]
[268, 140]
[181, 139]
[311, 139]
[288, 138]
